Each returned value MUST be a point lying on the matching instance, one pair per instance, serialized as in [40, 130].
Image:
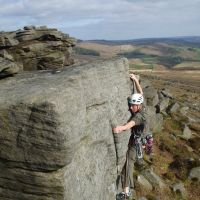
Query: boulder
[184, 110]
[155, 120]
[145, 83]
[195, 174]
[174, 107]
[187, 133]
[56, 132]
[36, 33]
[29, 27]
[151, 96]
[154, 179]
[179, 188]
[7, 40]
[38, 48]
[162, 105]
[7, 68]
[51, 61]
[144, 183]
[4, 54]
[166, 93]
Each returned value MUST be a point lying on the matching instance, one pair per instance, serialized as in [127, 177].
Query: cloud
[93, 18]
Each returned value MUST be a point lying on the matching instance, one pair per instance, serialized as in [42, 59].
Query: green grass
[149, 59]
[136, 54]
[168, 61]
[137, 66]
[84, 51]
[198, 53]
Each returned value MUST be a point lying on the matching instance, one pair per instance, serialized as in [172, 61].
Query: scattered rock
[190, 149]
[187, 133]
[145, 83]
[166, 93]
[155, 119]
[7, 40]
[195, 127]
[7, 68]
[154, 179]
[144, 182]
[4, 54]
[163, 104]
[173, 108]
[173, 136]
[151, 96]
[195, 174]
[179, 188]
[184, 110]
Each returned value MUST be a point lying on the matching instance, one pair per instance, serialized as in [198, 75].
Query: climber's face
[134, 108]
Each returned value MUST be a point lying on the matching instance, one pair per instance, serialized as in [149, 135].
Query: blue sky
[105, 19]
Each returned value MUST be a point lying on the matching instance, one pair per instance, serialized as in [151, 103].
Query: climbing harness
[138, 147]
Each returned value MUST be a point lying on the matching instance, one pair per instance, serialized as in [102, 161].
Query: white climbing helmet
[136, 99]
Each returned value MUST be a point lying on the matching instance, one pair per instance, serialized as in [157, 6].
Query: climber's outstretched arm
[127, 126]
[137, 84]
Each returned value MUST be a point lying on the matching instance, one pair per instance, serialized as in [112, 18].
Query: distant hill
[192, 41]
[179, 53]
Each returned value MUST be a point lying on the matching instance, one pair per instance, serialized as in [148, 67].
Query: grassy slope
[170, 155]
[157, 55]
[173, 153]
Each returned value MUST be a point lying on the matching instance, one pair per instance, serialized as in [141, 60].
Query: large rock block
[151, 96]
[38, 48]
[7, 67]
[56, 140]
[155, 120]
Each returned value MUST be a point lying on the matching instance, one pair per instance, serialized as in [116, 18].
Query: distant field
[106, 51]
[152, 55]
[188, 65]
[187, 79]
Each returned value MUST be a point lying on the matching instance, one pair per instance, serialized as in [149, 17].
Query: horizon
[171, 37]
[105, 20]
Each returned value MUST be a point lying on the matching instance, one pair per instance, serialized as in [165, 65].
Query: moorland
[172, 64]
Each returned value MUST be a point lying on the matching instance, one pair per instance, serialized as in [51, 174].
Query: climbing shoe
[124, 196]
[121, 196]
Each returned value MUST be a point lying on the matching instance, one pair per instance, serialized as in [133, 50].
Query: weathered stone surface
[187, 133]
[7, 40]
[36, 48]
[7, 67]
[4, 54]
[151, 96]
[153, 178]
[163, 104]
[144, 182]
[155, 120]
[166, 93]
[35, 33]
[145, 83]
[173, 108]
[184, 110]
[56, 140]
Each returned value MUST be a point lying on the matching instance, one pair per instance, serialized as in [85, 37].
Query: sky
[105, 19]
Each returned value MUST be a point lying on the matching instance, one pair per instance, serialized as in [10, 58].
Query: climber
[139, 133]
